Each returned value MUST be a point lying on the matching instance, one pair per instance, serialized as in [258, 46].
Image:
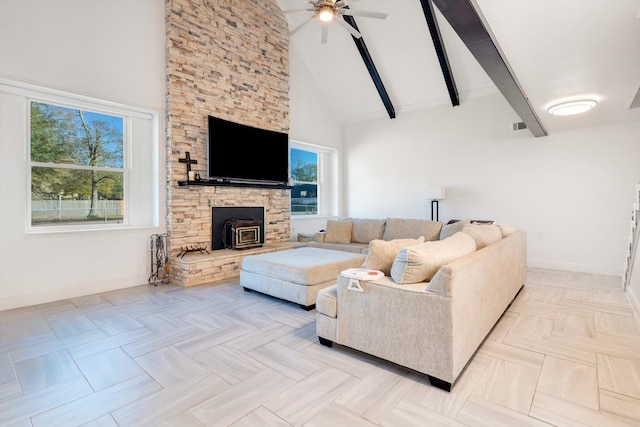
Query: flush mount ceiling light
[572, 107]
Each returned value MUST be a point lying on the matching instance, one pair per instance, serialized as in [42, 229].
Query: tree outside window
[304, 172]
[77, 166]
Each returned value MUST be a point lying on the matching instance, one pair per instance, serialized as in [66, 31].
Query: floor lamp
[435, 194]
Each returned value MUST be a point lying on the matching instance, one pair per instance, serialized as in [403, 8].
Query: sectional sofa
[436, 303]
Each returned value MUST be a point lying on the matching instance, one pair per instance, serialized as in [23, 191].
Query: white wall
[571, 191]
[312, 121]
[107, 49]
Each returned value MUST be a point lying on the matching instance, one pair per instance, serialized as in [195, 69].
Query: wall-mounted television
[238, 152]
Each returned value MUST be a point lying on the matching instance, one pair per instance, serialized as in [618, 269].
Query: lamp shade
[436, 193]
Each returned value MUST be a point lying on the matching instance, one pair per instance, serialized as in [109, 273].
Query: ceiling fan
[327, 11]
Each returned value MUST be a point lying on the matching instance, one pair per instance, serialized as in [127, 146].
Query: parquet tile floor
[566, 353]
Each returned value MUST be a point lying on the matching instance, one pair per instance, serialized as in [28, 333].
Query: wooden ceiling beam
[434, 29]
[371, 67]
[471, 27]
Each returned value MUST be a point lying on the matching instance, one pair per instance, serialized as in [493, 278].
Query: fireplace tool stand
[159, 260]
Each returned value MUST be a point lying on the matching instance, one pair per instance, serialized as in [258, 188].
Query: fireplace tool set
[159, 259]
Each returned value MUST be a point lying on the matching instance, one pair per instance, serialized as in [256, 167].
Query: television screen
[245, 153]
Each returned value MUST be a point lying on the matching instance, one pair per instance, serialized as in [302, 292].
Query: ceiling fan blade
[364, 13]
[325, 33]
[297, 10]
[348, 27]
[295, 30]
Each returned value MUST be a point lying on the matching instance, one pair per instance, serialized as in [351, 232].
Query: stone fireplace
[229, 59]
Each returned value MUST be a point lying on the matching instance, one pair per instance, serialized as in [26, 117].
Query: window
[77, 167]
[304, 172]
[88, 164]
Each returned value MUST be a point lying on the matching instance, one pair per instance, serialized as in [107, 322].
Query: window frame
[140, 156]
[323, 153]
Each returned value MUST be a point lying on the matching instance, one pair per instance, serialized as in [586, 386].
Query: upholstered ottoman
[296, 275]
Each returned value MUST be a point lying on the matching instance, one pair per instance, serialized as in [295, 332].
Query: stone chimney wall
[229, 59]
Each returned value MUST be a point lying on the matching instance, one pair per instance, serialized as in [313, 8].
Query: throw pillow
[506, 229]
[365, 230]
[449, 230]
[483, 234]
[419, 263]
[410, 228]
[382, 253]
[338, 231]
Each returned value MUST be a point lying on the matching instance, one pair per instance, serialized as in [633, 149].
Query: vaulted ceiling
[553, 50]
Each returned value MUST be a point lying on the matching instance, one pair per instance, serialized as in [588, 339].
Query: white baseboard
[43, 297]
[575, 267]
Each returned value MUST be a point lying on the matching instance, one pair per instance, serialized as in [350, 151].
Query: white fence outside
[69, 209]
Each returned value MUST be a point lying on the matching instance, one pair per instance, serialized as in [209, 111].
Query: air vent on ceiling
[519, 126]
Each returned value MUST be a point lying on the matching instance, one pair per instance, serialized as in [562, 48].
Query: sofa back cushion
[382, 253]
[400, 228]
[419, 263]
[449, 230]
[365, 230]
[338, 231]
[483, 234]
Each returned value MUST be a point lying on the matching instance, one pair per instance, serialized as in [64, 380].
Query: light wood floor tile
[229, 364]
[287, 361]
[576, 325]
[569, 381]
[181, 420]
[261, 417]
[560, 412]
[108, 343]
[378, 392]
[449, 404]
[108, 368]
[51, 345]
[619, 375]
[408, 414]
[482, 413]
[23, 407]
[116, 324]
[345, 359]
[609, 324]
[240, 400]
[98, 404]
[169, 366]
[257, 338]
[335, 416]
[47, 370]
[508, 384]
[304, 400]
[164, 404]
[104, 421]
[620, 404]
[222, 356]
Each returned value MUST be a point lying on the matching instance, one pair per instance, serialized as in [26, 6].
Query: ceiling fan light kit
[572, 107]
[327, 11]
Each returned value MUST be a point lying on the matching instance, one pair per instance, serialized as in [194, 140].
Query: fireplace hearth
[237, 227]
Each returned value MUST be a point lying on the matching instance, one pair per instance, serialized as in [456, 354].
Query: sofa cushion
[506, 229]
[400, 228]
[420, 262]
[365, 230]
[483, 234]
[338, 231]
[327, 301]
[382, 253]
[449, 230]
[358, 248]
